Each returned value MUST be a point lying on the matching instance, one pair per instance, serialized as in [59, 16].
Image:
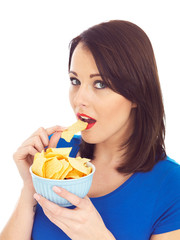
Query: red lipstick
[85, 118]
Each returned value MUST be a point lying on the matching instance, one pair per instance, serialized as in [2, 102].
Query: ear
[134, 105]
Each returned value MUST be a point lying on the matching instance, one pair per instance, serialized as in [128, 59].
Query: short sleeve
[170, 219]
[167, 207]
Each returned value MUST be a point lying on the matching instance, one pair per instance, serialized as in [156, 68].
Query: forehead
[82, 59]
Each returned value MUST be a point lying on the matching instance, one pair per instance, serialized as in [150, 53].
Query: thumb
[54, 140]
[87, 198]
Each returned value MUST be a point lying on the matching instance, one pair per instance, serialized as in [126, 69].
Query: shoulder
[163, 181]
[170, 172]
[167, 170]
[167, 174]
[164, 170]
[166, 214]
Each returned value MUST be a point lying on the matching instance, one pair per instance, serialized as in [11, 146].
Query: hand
[83, 222]
[24, 155]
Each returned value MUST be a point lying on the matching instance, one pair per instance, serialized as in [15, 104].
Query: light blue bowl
[79, 187]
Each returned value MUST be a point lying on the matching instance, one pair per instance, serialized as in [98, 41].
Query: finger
[30, 150]
[72, 198]
[87, 198]
[64, 224]
[38, 144]
[43, 136]
[49, 131]
[34, 141]
[54, 140]
[54, 129]
[22, 152]
[61, 223]
[30, 141]
[53, 209]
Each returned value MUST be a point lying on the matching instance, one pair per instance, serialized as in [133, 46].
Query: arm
[174, 235]
[19, 227]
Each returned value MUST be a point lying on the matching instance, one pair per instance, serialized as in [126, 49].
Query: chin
[90, 139]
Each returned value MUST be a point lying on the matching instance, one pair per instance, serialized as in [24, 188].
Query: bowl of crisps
[54, 167]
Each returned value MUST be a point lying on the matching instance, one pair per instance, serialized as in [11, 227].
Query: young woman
[135, 191]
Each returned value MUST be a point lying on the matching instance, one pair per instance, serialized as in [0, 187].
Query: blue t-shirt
[147, 203]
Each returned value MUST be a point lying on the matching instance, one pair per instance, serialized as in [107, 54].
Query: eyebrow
[91, 75]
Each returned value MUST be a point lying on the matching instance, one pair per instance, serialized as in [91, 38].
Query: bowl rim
[89, 164]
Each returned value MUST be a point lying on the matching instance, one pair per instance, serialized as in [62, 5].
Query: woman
[135, 191]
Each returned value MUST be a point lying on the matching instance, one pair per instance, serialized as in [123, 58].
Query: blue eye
[75, 81]
[100, 84]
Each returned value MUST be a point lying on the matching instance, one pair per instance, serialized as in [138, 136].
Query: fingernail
[36, 196]
[64, 128]
[56, 189]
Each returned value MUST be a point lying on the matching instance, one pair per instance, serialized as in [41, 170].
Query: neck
[111, 151]
[108, 154]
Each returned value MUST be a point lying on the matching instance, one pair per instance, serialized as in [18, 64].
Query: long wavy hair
[124, 56]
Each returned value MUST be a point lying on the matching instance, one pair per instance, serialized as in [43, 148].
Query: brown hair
[125, 59]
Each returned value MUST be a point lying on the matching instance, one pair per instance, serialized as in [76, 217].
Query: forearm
[19, 227]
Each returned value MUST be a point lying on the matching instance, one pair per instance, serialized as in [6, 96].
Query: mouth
[85, 118]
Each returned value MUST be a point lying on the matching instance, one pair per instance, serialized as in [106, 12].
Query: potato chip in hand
[68, 134]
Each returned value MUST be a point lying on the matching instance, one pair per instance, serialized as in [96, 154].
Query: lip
[84, 115]
[91, 124]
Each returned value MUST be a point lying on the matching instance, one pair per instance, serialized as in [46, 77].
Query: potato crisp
[75, 128]
[55, 163]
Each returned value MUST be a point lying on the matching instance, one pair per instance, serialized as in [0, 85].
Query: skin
[19, 226]
[114, 119]
[114, 114]
[89, 95]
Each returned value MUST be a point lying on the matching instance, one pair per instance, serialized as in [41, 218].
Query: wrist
[27, 192]
[28, 185]
[108, 235]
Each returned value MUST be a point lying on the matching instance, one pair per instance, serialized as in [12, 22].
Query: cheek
[117, 107]
[71, 97]
[116, 113]
[113, 120]
[123, 107]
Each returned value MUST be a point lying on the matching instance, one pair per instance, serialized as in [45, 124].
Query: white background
[34, 38]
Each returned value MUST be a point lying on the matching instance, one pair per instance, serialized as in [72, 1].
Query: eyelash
[95, 82]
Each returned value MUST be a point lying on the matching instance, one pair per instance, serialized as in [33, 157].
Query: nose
[82, 96]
